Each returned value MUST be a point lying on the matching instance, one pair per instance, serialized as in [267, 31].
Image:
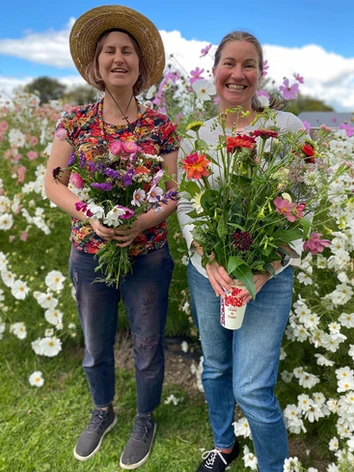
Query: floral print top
[85, 130]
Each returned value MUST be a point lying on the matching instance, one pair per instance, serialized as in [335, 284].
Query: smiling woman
[116, 146]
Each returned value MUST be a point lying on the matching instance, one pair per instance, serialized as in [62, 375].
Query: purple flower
[72, 159]
[205, 50]
[242, 240]
[105, 186]
[82, 159]
[128, 177]
[81, 206]
[111, 173]
[57, 173]
[289, 92]
[170, 195]
[196, 75]
[263, 93]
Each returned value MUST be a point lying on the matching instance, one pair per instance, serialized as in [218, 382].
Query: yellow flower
[194, 126]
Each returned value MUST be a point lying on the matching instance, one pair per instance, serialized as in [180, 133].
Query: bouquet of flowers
[253, 195]
[115, 185]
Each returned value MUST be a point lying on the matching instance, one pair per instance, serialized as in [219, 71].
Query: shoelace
[210, 456]
[98, 417]
[141, 428]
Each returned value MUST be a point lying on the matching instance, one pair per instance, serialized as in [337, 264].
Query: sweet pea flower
[315, 244]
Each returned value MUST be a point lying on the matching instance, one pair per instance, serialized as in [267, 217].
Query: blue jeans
[242, 366]
[144, 293]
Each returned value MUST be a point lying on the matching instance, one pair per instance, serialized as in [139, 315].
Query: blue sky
[285, 24]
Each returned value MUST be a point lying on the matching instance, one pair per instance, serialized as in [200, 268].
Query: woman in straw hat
[120, 52]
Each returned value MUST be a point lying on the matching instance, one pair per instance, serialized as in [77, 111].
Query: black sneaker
[102, 421]
[139, 445]
[217, 461]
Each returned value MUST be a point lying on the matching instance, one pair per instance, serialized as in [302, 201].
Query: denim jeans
[144, 293]
[242, 365]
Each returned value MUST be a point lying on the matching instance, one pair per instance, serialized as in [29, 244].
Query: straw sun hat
[90, 26]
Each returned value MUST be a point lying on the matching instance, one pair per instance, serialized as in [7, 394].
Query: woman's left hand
[125, 236]
[259, 281]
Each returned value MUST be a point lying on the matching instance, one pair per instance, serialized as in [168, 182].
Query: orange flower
[196, 166]
[141, 170]
[241, 141]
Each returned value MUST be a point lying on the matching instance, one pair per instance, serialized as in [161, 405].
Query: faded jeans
[241, 366]
[144, 293]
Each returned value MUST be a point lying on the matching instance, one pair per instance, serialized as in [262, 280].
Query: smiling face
[118, 61]
[237, 74]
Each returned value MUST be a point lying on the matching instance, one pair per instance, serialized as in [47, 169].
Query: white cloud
[328, 76]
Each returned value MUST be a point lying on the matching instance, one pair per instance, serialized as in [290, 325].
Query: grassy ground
[39, 427]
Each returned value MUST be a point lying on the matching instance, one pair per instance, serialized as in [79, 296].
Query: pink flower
[349, 129]
[285, 208]
[116, 148]
[299, 210]
[298, 78]
[61, 134]
[32, 155]
[306, 125]
[196, 75]
[128, 213]
[131, 147]
[3, 126]
[205, 50]
[314, 244]
[216, 100]
[263, 93]
[33, 140]
[21, 171]
[76, 180]
[289, 92]
[179, 117]
[265, 68]
[24, 236]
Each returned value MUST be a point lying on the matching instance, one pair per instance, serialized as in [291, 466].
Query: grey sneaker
[139, 445]
[102, 421]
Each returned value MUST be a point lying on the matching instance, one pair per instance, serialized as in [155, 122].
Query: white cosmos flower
[138, 197]
[351, 351]
[46, 300]
[242, 428]
[36, 379]
[184, 346]
[154, 194]
[54, 280]
[249, 459]
[50, 347]
[322, 360]
[53, 316]
[314, 413]
[347, 320]
[49, 332]
[334, 328]
[286, 376]
[292, 465]
[308, 380]
[304, 278]
[345, 385]
[19, 290]
[204, 88]
[36, 346]
[3, 261]
[332, 468]
[171, 399]
[96, 210]
[344, 373]
[113, 217]
[19, 330]
[7, 277]
[6, 221]
[333, 444]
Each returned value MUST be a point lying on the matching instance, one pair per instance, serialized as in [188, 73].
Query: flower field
[37, 302]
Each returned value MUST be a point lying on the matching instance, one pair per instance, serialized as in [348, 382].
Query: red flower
[196, 166]
[309, 152]
[265, 133]
[240, 141]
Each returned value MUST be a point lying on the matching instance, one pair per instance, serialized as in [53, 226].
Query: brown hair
[92, 72]
[275, 102]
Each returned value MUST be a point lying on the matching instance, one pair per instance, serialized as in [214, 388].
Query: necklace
[135, 130]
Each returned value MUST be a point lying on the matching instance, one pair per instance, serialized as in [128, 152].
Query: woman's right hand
[218, 278]
[101, 230]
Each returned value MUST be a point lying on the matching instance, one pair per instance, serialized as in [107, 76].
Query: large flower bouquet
[116, 184]
[253, 195]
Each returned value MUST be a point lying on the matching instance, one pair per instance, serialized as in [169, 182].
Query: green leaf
[306, 225]
[244, 274]
[286, 236]
[209, 199]
[222, 227]
[192, 188]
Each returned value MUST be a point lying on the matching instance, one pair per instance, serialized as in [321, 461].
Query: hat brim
[90, 26]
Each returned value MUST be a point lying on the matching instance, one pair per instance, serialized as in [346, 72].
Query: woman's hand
[123, 235]
[101, 230]
[220, 280]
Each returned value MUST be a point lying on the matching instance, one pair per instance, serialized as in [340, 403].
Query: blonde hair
[92, 71]
[275, 102]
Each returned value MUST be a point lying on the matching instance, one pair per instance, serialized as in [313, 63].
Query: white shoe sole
[143, 460]
[86, 458]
